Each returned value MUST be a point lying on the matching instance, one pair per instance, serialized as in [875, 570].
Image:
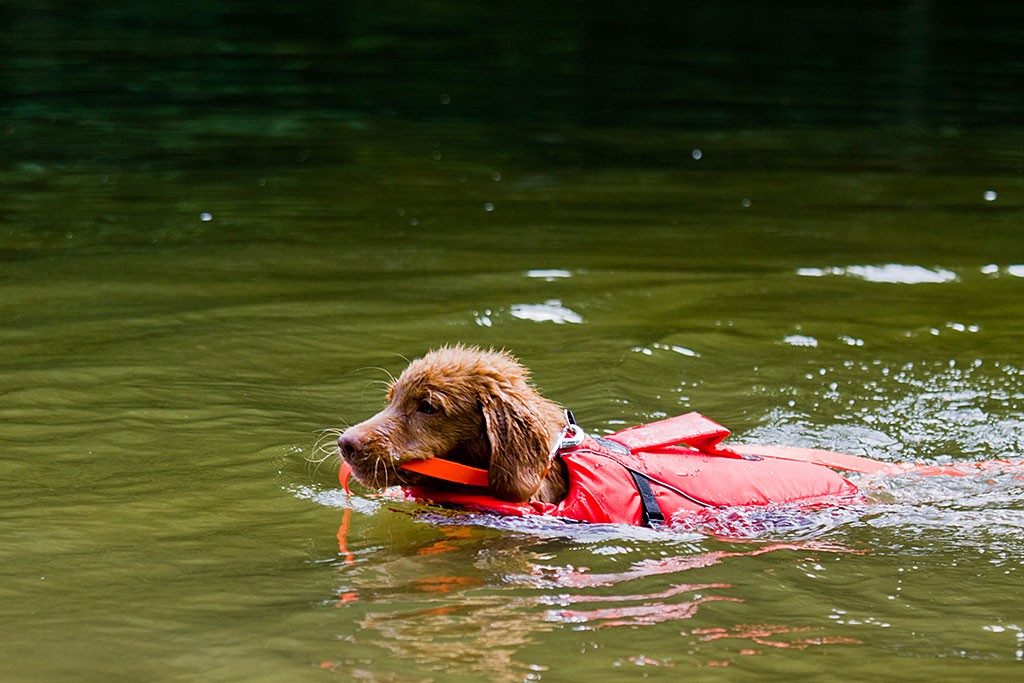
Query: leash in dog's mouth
[448, 470]
[457, 473]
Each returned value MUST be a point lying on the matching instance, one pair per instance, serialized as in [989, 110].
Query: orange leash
[448, 470]
[344, 473]
[432, 467]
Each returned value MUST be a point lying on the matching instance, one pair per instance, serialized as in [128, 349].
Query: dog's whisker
[387, 373]
[321, 448]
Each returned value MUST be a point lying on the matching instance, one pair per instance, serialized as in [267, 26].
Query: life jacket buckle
[572, 436]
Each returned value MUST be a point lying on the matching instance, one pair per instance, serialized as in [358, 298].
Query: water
[219, 232]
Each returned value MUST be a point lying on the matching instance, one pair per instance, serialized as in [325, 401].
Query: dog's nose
[348, 444]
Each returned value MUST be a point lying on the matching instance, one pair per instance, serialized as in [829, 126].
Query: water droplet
[445, 98]
[745, 203]
[696, 154]
[801, 340]
[990, 195]
[488, 207]
[206, 217]
[496, 176]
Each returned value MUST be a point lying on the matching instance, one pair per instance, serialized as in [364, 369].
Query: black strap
[652, 515]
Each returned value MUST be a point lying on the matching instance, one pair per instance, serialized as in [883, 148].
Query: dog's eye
[427, 408]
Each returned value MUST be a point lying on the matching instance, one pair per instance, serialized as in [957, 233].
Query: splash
[905, 413]
[949, 416]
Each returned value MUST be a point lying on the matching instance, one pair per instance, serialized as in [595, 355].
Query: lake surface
[220, 232]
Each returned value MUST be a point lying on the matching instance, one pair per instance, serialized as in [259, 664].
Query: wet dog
[473, 407]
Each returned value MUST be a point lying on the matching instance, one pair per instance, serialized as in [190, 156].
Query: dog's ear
[519, 446]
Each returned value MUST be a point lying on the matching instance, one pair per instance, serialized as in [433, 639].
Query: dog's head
[463, 404]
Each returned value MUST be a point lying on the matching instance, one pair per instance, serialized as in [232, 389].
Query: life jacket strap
[651, 515]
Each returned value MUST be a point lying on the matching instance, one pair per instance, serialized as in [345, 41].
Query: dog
[478, 409]
[474, 407]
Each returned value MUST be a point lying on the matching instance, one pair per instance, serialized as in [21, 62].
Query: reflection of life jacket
[639, 476]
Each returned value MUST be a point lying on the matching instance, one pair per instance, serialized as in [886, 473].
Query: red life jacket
[638, 476]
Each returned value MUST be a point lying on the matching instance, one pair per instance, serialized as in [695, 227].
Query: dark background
[664, 63]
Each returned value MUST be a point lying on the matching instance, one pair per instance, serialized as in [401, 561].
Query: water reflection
[652, 608]
[551, 311]
[772, 635]
[891, 273]
[472, 603]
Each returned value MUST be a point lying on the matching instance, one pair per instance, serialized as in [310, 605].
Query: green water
[215, 243]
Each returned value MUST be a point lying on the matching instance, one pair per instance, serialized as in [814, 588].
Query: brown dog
[471, 406]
